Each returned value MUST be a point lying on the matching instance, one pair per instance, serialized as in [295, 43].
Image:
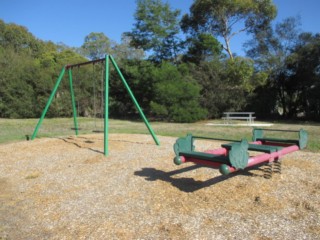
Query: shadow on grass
[187, 184]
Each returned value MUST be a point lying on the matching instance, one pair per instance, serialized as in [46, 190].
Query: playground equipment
[106, 99]
[235, 156]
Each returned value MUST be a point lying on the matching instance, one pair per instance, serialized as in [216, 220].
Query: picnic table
[229, 116]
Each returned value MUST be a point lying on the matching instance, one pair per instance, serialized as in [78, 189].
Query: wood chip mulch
[64, 188]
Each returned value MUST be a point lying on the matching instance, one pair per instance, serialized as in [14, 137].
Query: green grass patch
[17, 129]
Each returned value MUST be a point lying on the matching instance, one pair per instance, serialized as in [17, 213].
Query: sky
[69, 21]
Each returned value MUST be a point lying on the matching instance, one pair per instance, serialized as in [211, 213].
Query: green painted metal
[183, 144]
[215, 139]
[303, 138]
[135, 101]
[48, 103]
[301, 142]
[256, 147]
[224, 169]
[264, 148]
[177, 160]
[106, 107]
[257, 133]
[238, 155]
[106, 100]
[74, 109]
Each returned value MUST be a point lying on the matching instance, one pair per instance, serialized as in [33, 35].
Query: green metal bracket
[183, 144]
[257, 133]
[303, 139]
[238, 154]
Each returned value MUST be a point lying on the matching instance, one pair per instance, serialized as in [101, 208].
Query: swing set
[105, 99]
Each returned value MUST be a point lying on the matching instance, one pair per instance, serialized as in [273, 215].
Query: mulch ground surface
[65, 188]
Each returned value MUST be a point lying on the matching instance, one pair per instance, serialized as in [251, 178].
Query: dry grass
[64, 188]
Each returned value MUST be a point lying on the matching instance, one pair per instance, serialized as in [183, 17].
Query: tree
[225, 84]
[304, 77]
[20, 39]
[124, 50]
[17, 95]
[227, 18]
[270, 49]
[202, 48]
[156, 30]
[176, 95]
[140, 76]
[97, 45]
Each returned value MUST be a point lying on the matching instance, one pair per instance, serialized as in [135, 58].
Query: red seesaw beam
[218, 151]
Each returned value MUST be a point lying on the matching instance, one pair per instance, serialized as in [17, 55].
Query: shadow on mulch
[87, 141]
[186, 184]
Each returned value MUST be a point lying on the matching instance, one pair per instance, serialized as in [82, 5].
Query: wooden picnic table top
[239, 113]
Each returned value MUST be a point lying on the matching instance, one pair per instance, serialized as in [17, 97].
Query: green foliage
[16, 93]
[289, 58]
[124, 50]
[96, 46]
[156, 29]
[225, 85]
[176, 96]
[164, 91]
[220, 18]
[239, 73]
[303, 77]
[139, 76]
[282, 73]
[29, 69]
[204, 47]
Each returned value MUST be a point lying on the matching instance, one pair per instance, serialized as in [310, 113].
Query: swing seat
[97, 131]
[73, 128]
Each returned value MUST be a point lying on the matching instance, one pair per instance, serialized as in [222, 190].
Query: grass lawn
[17, 129]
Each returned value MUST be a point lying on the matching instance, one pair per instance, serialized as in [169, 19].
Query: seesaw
[235, 156]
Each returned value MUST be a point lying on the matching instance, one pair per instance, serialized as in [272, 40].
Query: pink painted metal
[199, 161]
[219, 151]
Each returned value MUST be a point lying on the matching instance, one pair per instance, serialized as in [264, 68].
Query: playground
[65, 188]
[108, 185]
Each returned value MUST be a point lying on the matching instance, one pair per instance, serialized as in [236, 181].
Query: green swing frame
[106, 100]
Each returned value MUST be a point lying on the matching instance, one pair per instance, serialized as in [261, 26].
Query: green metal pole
[48, 103]
[74, 109]
[135, 101]
[106, 107]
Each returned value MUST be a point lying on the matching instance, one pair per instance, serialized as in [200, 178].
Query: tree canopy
[156, 29]
[175, 77]
[227, 18]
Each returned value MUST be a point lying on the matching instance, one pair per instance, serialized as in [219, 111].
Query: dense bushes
[185, 90]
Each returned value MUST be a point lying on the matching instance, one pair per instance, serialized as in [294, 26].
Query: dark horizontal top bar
[217, 139]
[238, 112]
[277, 130]
[85, 63]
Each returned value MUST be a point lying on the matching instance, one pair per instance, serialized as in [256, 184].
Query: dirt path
[64, 188]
